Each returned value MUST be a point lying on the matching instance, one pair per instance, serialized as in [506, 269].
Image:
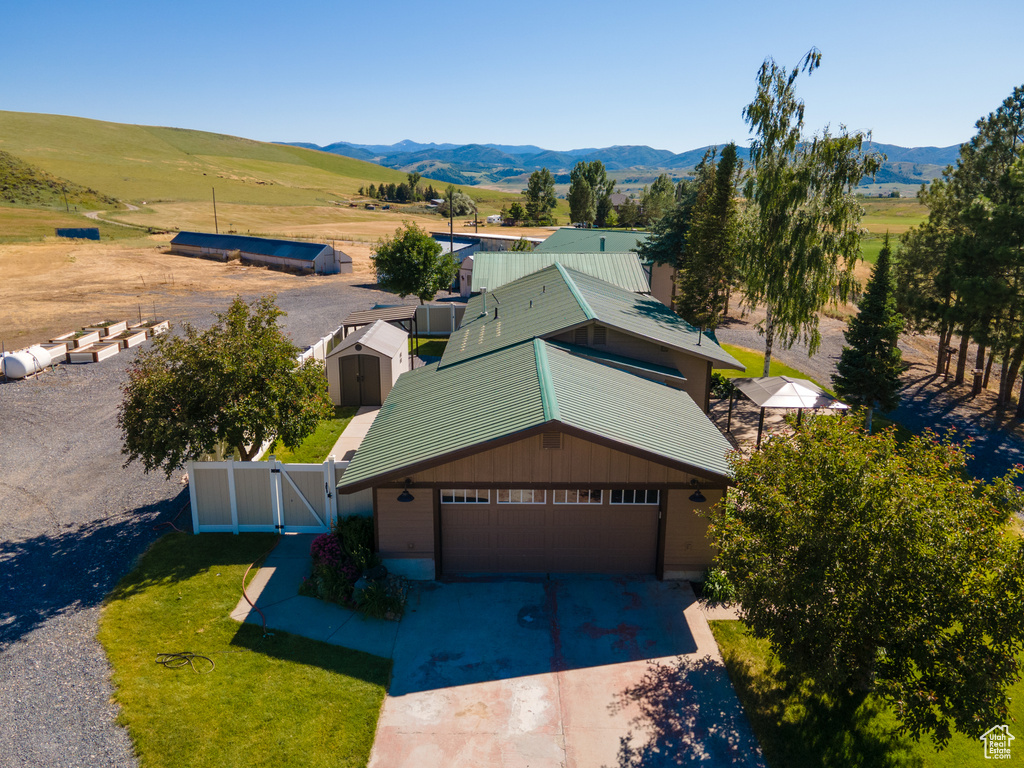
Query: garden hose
[185, 659]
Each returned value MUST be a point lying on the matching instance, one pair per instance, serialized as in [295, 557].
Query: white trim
[532, 491]
[598, 501]
[480, 496]
[192, 498]
[634, 492]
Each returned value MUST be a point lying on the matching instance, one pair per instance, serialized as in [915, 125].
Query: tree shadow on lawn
[337, 659]
[689, 715]
[46, 575]
[797, 727]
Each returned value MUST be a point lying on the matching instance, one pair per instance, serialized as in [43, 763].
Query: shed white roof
[379, 336]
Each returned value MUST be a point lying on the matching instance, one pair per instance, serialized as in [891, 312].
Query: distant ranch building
[315, 258]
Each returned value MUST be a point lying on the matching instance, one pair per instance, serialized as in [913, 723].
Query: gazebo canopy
[786, 392]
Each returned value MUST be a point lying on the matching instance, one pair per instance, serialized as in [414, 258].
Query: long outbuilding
[318, 258]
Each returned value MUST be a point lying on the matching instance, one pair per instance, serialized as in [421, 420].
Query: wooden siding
[405, 529]
[695, 369]
[579, 461]
[663, 283]
[687, 546]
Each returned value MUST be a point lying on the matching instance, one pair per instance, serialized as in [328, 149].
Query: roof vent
[600, 334]
[580, 337]
[551, 441]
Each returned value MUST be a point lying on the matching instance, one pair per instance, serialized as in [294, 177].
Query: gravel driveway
[73, 523]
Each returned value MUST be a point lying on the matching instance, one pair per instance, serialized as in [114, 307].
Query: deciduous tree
[872, 566]
[868, 372]
[803, 237]
[412, 263]
[236, 384]
[657, 200]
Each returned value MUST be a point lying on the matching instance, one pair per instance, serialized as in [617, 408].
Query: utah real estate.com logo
[997, 742]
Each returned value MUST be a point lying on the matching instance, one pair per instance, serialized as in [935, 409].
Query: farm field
[312, 221]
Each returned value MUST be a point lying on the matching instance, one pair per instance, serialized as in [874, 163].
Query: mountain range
[491, 163]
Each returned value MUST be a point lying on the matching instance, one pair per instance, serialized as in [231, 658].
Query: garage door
[548, 538]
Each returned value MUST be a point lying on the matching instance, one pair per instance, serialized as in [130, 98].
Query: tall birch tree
[803, 237]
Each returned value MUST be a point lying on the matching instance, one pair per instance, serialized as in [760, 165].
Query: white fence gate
[243, 496]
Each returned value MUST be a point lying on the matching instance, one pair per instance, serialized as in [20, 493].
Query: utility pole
[451, 220]
[215, 229]
[65, 191]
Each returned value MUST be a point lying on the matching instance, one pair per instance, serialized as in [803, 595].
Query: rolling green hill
[139, 164]
[24, 184]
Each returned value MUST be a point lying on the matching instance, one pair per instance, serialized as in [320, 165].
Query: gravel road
[926, 400]
[73, 522]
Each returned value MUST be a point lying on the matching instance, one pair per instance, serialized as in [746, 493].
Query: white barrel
[18, 365]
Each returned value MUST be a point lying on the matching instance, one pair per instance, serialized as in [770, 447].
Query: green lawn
[315, 448]
[276, 701]
[20, 224]
[755, 365]
[433, 347]
[797, 730]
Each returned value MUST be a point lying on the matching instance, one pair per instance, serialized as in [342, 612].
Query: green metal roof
[618, 361]
[556, 299]
[573, 240]
[493, 269]
[433, 412]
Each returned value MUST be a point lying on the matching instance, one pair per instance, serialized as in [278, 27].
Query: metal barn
[362, 369]
[303, 257]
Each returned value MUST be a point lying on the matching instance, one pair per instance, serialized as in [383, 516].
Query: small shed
[362, 369]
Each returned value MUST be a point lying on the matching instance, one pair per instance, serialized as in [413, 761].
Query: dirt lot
[59, 285]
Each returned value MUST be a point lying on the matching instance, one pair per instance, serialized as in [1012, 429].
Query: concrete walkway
[352, 437]
[275, 590]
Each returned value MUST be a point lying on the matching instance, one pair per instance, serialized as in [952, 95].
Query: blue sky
[672, 75]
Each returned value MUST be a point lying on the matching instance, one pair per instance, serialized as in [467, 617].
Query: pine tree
[712, 242]
[869, 368]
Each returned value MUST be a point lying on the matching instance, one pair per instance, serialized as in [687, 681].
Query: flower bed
[346, 571]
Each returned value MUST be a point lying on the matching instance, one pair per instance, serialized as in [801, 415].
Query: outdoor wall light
[405, 495]
[697, 497]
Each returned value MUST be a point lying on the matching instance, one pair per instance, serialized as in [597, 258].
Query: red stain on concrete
[625, 637]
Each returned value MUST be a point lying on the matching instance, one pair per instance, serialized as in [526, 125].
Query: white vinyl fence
[243, 496]
[439, 319]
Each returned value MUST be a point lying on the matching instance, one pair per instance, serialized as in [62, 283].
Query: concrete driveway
[570, 672]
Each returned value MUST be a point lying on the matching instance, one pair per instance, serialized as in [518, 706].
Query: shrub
[384, 599]
[721, 387]
[355, 535]
[717, 587]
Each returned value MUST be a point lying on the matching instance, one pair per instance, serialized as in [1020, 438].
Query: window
[577, 497]
[465, 496]
[634, 496]
[521, 496]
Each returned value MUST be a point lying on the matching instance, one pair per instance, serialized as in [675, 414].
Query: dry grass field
[314, 221]
[54, 286]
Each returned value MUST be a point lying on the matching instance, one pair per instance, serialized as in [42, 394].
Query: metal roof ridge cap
[575, 292]
[547, 386]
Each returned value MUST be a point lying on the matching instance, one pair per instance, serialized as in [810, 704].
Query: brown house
[521, 452]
